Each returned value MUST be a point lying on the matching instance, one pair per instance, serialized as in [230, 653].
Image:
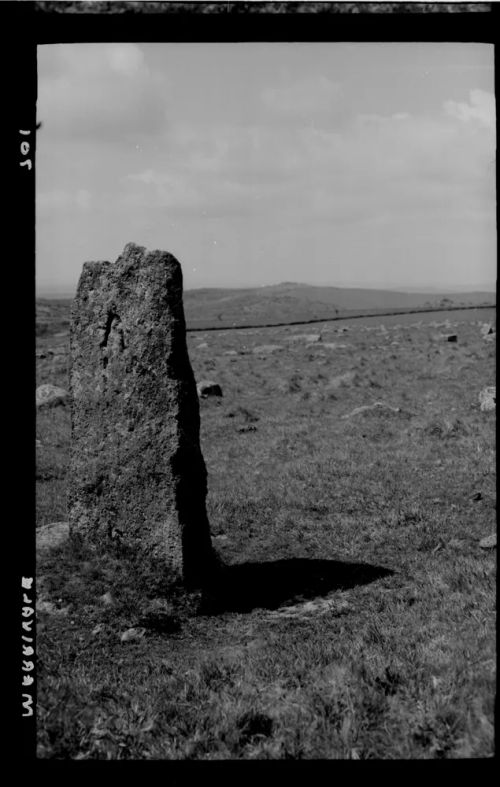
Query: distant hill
[281, 303]
[289, 302]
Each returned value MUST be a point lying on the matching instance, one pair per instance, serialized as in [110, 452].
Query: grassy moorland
[356, 615]
[287, 302]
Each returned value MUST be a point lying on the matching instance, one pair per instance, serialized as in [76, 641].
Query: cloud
[393, 165]
[481, 108]
[101, 92]
[307, 96]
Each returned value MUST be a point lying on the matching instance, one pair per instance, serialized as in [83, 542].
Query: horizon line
[67, 290]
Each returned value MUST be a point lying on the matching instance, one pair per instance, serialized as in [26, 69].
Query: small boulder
[487, 398]
[488, 542]
[51, 535]
[132, 634]
[342, 379]
[487, 329]
[376, 406]
[208, 388]
[49, 608]
[49, 395]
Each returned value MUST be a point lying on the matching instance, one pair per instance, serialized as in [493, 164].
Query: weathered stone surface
[342, 379]
[208, 388]
[49, 395]
[488, 542]
[488, 398]
[137, 475]
[487, 329]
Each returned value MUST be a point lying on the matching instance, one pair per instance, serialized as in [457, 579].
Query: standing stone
[137, 473]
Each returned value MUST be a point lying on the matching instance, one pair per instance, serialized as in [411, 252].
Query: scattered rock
[49, 395]
[487, 329]
[49, 608]
[230, 352]
[157, 605]
[97, 630]
[106, 599]
[342, 379]
[488, 542]
[52, 535]
[208, 388]
[221, 538]
[370, 407]
[487, 398]
[202, 346]
[249, 428]
[267, 348]
[130, 635]
[38, 444]
[476, 496]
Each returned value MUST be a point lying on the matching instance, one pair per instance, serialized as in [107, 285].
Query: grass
[357, 616]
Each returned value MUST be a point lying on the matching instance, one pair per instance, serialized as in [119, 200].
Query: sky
[344, 164]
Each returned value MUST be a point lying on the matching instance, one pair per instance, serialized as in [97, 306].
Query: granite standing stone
[137, 473]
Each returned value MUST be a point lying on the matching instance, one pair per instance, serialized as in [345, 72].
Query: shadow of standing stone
[137, 475]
